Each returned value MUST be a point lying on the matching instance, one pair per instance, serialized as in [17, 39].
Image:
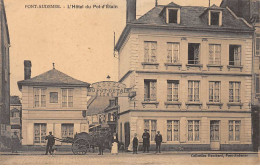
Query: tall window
[234, 130]
[194, 53]
[150, 51]
[234, 91]
[173, 127]
[151, 126]
[172, 90]
[214, 54]
[173, 50]
[193, 130]
[150, 90]
[214, 91]
[214, 130]
[193, 91]
[67, 130]
[67, 97]
[257, 86]
[39, 97]
[39, 133]
[235, 55]
[257, 45]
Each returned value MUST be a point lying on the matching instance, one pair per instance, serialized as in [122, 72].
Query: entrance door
[127, 135]
[214, 135]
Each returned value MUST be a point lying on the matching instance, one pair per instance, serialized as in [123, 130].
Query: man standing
[50, 142]
[146, 140]
[135, 144]
[15, 142]
[158, 141]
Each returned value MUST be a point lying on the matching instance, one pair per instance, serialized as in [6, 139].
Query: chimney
[27, 69]
[130, 10]
[156, 2]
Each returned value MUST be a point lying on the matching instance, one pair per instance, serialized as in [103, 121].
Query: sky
[79, 41]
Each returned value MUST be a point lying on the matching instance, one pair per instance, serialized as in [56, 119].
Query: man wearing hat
[50, 142]
[146, 140]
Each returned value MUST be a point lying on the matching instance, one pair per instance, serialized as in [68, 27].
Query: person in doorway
[100, 142]
[15, 143]
[114, 149]
[146, 141]
[158, 141]
[135, 144]
[50, 142]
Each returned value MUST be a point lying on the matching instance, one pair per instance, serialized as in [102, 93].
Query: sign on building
[109, 88]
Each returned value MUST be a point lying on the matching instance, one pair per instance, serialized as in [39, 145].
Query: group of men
[146, 142]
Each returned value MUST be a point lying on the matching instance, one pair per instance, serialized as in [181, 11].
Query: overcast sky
[79, 41]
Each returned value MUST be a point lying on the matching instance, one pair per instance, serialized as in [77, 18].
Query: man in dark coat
[135, 144]
[15, 142]
[50, 142]
[146, 141]
[158, 141]
[101, 143]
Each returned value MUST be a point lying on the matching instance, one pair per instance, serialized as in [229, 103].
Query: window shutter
[153, 90]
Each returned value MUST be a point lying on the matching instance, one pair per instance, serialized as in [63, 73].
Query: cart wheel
[80, 147]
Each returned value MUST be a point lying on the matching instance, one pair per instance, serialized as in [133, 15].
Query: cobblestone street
[126, 159]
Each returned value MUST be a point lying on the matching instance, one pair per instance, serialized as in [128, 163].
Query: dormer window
[215, 18]
[173, 15]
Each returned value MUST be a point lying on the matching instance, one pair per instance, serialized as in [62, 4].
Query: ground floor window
[234, 130]
[151, 126]
[173, 130]
[39, 133]
[214, 130]
[67, 130]
[193, 130]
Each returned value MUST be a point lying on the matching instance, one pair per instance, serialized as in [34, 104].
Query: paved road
[127, 159]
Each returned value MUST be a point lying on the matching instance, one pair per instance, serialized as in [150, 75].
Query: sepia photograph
[130, 82]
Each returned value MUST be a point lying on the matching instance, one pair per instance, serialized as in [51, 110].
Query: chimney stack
[27, 69]
[156, 2]
[130, 10]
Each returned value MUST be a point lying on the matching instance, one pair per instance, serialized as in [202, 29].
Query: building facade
[52, 101]
[191, 71]
[4, 78]
[249, 10]
[16, 115]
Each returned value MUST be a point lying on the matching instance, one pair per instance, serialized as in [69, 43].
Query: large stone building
[191, 69]
[52, 101]
[249, 10]
[4, 78]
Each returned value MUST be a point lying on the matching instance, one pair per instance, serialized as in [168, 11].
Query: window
[39, 97]
[173, 16]
[193, 91]
[214, 54]
[193, 130]
[214, 91]
[172, 90]
[257, 45]
[173, 50]
[214, 130]
[173, 128]
[39, 133]
[215, 18]
[234, 91]
[150, 51]
[121, 132]
[16, 114]
[257, 86]
[235, 55]
[151, 126]
[149, 90]
[53, 97]
[234, 130]
[67, 130]
[193, 53]
[67, 97]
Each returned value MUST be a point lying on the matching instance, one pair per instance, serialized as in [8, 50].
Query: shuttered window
[150, 51]
[150, 90]
[214, 54]
[173, 52]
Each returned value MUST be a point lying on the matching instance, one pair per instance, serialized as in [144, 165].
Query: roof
[14, 100]
[52, 78]
[97, 105]
[190, 19]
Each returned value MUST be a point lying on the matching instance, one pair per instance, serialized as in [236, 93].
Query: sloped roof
[97, 105]
[190, 19]
[14, 100]
[53, 78]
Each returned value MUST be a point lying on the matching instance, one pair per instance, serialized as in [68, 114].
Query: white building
[52, 101]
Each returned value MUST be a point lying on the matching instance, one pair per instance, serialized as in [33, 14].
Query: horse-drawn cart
[84, 142]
